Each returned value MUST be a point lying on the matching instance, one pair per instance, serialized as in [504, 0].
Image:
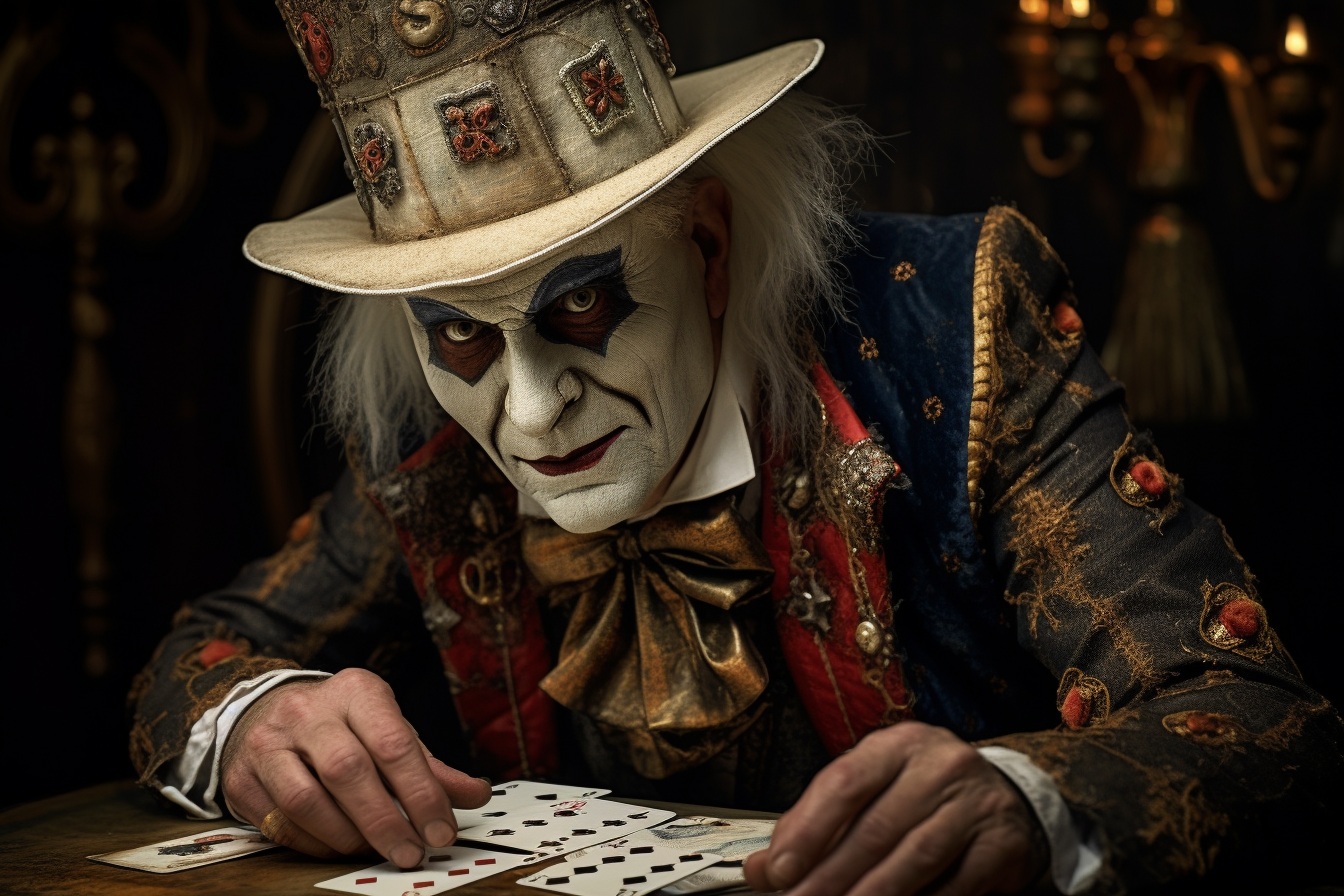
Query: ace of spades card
[442, 869]
[620, 870]
[522, 795]
[563, 827]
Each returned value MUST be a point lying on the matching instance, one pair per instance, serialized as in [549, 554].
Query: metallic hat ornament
[483, 135]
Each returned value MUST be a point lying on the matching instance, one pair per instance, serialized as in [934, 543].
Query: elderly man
[702, 489]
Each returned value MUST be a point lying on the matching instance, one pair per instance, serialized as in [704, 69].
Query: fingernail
[784, 870]
[488, 782]
[408, 855]
[439, 833]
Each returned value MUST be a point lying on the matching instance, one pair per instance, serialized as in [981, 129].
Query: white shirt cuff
[1075, 849]
[184, 783]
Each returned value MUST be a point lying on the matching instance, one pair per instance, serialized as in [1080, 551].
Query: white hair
[788, 172]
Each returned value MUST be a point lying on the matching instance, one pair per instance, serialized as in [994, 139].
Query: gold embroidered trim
[986, 298]
[992, 261]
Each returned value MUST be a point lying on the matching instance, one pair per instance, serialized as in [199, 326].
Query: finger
[754, 866]
[923, 854]
[347, 771]
[288, 833]
[836, 795]
[394, 748]
[306, 804]
[918, 793]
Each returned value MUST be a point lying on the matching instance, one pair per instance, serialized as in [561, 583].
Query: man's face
[583, 376]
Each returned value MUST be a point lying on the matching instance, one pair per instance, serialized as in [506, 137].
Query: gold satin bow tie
[651, 653]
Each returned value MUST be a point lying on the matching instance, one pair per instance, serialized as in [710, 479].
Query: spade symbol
[534, 822]
[640, 815]
[549, 797]
[495, 814]
[548, 843]
[566, 813]
[613, 822]
[582, 832]
[501, 832]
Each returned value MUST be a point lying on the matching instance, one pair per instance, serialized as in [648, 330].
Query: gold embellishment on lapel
[933, 408]
[868, 348]
[1233, 621]
[986, 379]
[903, 272]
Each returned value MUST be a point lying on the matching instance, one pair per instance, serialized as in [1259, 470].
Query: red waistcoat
[456, 518]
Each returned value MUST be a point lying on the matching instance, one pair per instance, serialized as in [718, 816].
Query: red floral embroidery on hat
[474, 138]
[604, 88]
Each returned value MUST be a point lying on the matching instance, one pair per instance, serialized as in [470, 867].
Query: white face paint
[583, 376]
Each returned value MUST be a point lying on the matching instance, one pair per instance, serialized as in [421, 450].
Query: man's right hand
[331, 755]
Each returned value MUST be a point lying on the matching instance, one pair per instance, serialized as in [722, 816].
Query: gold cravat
[652, 653]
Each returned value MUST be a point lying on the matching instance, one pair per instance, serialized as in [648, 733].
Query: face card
[189, 852]
[442, 869]
[620, 870]
[732, 838]
[522, 795]
[563, 827]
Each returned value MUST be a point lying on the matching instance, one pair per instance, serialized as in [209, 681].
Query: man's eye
[579, 301]
[460, 330]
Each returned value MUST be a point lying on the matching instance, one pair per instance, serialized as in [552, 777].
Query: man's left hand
[910, 807]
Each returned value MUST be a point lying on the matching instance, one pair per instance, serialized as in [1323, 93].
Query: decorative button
[423, 25]
[1066, 318]
[1148, 476]
[1241, 618]
[1076, 710]
[869, 637]
[215, 651]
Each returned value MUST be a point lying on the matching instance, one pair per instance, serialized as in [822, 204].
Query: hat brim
[332, 247]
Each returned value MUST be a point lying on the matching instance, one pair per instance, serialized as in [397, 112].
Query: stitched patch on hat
[475, 123]
[372, 153]
[597, 88]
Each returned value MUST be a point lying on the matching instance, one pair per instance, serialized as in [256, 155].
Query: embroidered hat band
[482, 135]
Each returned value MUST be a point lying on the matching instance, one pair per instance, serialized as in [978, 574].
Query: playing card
[732, 838]
[443, 869]
[517, 795]
[620, 870]
[565, 826]
[189, 852]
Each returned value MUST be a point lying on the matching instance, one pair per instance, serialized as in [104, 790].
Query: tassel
[1172, 343]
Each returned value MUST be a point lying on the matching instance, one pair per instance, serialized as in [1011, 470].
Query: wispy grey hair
[789, 174]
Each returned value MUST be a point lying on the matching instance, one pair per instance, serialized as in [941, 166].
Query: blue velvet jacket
[1054, 590]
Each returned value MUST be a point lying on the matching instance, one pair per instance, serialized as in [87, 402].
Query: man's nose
[540, 385]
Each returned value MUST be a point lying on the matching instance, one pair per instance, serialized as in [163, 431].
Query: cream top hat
[484, 135]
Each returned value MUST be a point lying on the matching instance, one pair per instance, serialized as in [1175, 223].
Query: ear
[709, 224]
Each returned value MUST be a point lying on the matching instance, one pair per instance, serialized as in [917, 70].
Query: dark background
[188, 507]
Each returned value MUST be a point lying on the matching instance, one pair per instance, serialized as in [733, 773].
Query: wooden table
[43, 845]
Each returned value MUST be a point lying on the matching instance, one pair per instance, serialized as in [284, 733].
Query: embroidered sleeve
[1185, 734]
[336, 595]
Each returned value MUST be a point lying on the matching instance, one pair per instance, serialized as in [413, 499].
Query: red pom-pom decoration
[215, 651]
[1066, 319]
[1202, 723]
[1149, 477]
[1241, 618]
[1076, 710]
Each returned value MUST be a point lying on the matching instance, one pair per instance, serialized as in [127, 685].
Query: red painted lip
[580, 458]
